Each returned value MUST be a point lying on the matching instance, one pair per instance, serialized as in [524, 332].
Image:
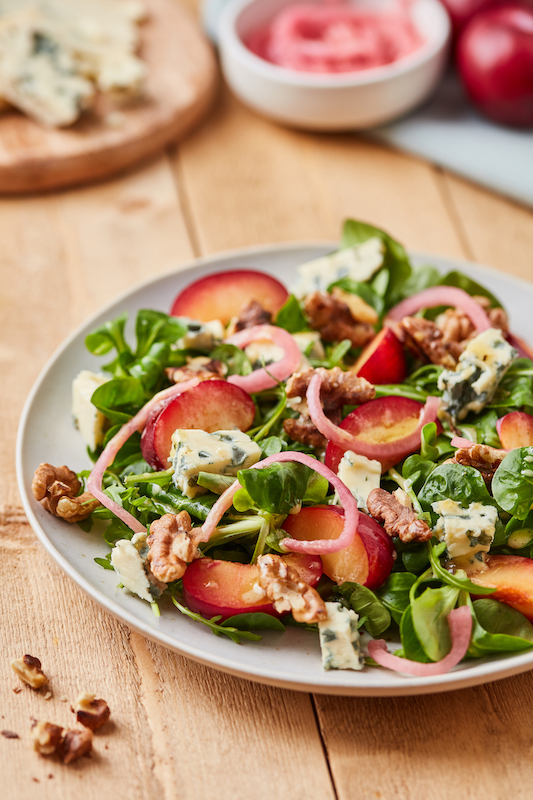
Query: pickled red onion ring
[319, 546]
[136, 423]
[347, 441]
[442, 296]
[261, 379]
[524, 349]
[461, 443]
[460, 622]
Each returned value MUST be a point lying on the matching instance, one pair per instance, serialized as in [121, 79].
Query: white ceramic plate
[290, 659]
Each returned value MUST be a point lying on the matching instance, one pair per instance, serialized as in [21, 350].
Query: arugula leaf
[108, 336]
[234, 358]
[464, 484]
[430, 620]
[255, 621]
[365, 603]
[276, 489]
[512, 485]
[456, 278]
[290, 316]
[396, 261]
[219, 630]
[394, 594]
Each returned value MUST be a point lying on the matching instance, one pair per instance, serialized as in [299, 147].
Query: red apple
[222, 295]
[513, 578]
[224, 587]
[495, 60]
[210, 406]
[381, 420]
[515, 430]
[383, 361]
[369, 560]
[461, 11]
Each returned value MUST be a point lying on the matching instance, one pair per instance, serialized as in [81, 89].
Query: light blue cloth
[449, 132]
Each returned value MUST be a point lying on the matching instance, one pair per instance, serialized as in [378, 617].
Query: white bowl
[354, 100]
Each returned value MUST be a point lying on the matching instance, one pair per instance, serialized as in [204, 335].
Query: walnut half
[56, 488]
[28, 669]
[91, 712]
[284, 587]
[173, 544]
[396, 519]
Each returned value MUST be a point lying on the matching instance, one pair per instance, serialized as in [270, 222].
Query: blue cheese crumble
[467, 532]
[203, 336]
[360, 475]
[339, 638]
[128, 559]
[222, 452]
[87, 418]
[358, 263]
[481, 366]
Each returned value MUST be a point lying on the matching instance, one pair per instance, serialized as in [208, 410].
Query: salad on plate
[354, 458]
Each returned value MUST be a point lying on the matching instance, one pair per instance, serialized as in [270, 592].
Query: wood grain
[182, 77]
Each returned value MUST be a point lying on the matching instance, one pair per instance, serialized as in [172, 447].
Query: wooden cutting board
[182, 79]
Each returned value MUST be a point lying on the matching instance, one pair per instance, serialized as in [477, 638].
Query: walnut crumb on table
[28, 669]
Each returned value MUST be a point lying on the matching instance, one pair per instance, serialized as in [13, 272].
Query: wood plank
[499, 232]
[250, 181]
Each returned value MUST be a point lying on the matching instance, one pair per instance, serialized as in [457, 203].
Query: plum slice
[225, 588]
[512, 576]
[382, 420]
[515, 430]
[210, 406]
[368, 561]
[383, 361]
[222, 295]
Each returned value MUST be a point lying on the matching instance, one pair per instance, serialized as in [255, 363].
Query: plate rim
[459, 679]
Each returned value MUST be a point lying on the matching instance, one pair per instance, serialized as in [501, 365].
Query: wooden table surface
[181, 730]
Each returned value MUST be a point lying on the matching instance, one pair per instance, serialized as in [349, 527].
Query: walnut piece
[46, 737]
[28, 669]
[251, 314]
[396, 519]
[284, 587]
[338, 389]
[91, 712]
[75, 744]
[56, 489]
[482, 457]
[334, 320]
[50, 739]
[202, 367]
[173, 544]
[425, 339]
[359, 310]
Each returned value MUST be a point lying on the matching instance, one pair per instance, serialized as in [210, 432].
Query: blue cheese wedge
[38, 74]
[222, 452]
[128, 559]
[87, 418]
[481, 366]
[360, 475]
[201, 335]
[358, 263]
[339, 638]
[467, 532]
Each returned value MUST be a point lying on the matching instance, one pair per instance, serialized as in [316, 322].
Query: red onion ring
[136, 423]
[347, 441]
[460, 622]
[319, 546]
[442, 296]
[260, 379]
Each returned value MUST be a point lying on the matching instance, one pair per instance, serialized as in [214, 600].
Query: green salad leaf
[512, 484]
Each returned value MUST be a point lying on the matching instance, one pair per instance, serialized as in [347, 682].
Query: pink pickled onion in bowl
[317, 547]
[460, 622]
[136, 423]
[442, 296]
[261, 379]
[336, 37]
